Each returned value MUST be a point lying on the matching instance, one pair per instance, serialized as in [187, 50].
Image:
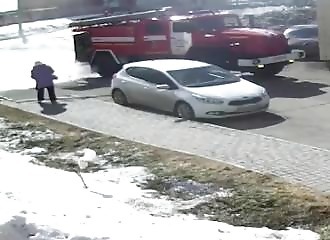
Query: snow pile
[37, 202]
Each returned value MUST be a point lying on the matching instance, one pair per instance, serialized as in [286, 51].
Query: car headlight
[208, 99]
[264, 93]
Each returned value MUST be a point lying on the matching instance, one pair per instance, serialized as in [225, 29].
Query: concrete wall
[323, 18]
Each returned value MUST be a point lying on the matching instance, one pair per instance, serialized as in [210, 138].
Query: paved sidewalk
[292, 161]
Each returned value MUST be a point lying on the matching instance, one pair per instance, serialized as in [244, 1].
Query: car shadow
[52, 109]
[248, 122]
[87, 84]
[286, 87]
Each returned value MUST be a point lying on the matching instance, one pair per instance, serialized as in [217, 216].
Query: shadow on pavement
[285, 87]
[255, 121]
[53, 108]
[249, 122]
[87, 84]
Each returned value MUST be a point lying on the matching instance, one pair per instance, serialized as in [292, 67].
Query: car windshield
[203, 76]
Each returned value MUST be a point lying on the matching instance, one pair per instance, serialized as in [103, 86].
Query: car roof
[165, 65]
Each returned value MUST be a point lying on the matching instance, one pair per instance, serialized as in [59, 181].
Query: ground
[300, 102]
[256, 200]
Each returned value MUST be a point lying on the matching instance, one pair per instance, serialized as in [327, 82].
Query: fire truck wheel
[184, 110]
[119, 97]
[104, 64]
[269, 71]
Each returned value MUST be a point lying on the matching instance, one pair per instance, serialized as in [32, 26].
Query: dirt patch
[252, 199]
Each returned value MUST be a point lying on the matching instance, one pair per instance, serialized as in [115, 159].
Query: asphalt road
[299, 111]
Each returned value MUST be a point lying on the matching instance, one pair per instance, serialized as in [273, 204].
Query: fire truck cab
[213, 37]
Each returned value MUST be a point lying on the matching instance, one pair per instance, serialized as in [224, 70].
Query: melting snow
[44, 203]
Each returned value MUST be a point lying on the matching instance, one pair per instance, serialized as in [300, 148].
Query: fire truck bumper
[260, 62]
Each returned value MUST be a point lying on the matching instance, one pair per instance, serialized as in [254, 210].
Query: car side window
[136, 72]
[304, 33]
[156, 77]
[150, 75]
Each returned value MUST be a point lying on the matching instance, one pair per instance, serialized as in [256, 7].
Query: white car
[189, 89]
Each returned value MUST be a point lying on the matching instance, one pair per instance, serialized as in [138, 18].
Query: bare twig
[81, 178]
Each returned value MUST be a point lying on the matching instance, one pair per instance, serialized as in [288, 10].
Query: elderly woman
[44, 76]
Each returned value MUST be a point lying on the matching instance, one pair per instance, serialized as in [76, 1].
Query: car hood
[235, 90]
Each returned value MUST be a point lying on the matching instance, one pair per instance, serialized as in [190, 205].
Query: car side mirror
[163, 87]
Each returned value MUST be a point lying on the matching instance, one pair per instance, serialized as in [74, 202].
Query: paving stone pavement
[292, 161]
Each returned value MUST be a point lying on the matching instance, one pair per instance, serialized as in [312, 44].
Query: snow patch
[48, 41]
[45, 203]
[35, 150]
[38, 27]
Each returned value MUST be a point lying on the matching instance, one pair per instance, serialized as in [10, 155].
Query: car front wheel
[184, 111]
[119, 97]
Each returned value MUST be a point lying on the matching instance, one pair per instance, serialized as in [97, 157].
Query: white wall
[323, 18]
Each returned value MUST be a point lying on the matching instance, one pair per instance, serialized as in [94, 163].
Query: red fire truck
[213, 37]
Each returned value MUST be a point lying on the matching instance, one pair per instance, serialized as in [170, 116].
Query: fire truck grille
[277, 45]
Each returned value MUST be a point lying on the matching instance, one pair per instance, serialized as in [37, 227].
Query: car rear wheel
[119, 97]
[184, 111]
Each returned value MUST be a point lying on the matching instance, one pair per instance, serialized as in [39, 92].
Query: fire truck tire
[200, 54]
[104, 64]
[220, 57]
[184, 110]
[119, 97]
[269, 71]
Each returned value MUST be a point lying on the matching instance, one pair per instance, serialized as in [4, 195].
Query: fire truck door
[82, 47]
[181, 38]
[155, 37]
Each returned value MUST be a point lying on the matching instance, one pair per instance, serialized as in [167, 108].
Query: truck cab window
[208, 24]
[231, 21]
[182, 27]
[154, 28]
